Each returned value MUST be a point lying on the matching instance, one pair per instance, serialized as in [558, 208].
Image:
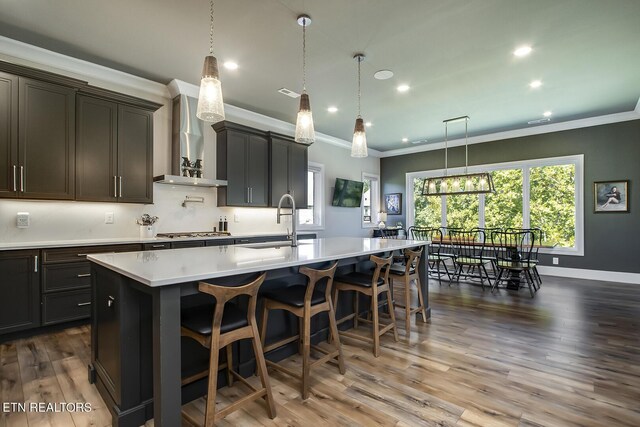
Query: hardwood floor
[570, 356]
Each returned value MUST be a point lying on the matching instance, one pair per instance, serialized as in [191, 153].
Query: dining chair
[469, 248]
[513, 251]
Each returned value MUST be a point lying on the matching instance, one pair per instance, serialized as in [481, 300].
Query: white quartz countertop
[160, 268]
[124, 240]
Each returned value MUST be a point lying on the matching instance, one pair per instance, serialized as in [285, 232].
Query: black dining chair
[436, 258]
[469, 251]
[513, 251]
[539, 237]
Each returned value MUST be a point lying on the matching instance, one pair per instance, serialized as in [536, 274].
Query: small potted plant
[146, 222]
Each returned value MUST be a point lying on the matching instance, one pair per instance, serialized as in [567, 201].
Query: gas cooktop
[193, 234]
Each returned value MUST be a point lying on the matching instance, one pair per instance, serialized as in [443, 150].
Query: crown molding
[518, 133]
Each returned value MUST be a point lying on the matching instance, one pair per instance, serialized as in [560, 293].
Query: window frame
[375, 201]
[319, 198]
[526, 165]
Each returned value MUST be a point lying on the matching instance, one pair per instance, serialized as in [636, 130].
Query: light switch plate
[236, 218]
[108, 217]
[22, 220]
[556, 261]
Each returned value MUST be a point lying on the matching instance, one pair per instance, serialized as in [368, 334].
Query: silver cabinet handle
[82, 304]
[111, 301]
[158, 246]
[82, 254]
[15, 179]
[115, 186]
[35, 264]
[83, 275]
[247, 194]
[22, 179]
[120, 179]
[250, 194]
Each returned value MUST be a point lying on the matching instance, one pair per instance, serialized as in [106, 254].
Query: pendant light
[305, 133]
[210, 102]
[359, 145]
[473, 183]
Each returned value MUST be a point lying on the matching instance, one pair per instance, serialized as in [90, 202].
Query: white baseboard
[579, 273]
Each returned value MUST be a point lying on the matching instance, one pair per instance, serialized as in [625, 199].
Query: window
[312, 217]
[542, 193]
[370, 199]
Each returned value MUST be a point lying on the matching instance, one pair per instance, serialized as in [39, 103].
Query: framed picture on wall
[393, 203]
[611, 196]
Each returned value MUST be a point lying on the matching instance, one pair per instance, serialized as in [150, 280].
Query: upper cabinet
[47, 151]
[37, 140]
[114, 158]
[288, 170]
[243, 160]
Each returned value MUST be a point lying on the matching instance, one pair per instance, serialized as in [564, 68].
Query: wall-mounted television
[347, 193]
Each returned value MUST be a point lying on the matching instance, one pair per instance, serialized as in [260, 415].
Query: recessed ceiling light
[230, 65]
[383, 74]
[403, 88]
[405, 139]
[522, 51]
[332, 109]
[368, 124]
[547, 113]
[535, 84]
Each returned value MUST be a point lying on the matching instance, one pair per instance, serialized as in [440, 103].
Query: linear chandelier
[467, 183]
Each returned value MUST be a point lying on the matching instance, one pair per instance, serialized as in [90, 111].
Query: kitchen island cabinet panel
[19, 290]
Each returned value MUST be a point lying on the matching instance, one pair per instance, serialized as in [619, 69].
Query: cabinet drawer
[65, 306]
[59, 277]
[220, 242]
[189, 244]
[156, 246]
[79, 253]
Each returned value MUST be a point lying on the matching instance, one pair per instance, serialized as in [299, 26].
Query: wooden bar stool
[305, 301]
[217, 326]
[373, 286]
[408, 273]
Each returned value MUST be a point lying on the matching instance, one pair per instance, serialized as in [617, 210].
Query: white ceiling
[456, 55]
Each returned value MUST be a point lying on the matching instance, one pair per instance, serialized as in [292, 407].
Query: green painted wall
[611, 152]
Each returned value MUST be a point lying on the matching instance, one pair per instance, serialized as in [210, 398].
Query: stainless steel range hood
[187, 147]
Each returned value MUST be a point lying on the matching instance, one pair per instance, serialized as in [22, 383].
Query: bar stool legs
[409, 273]
[305, 301]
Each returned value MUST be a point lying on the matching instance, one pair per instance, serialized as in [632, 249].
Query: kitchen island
[137, 360]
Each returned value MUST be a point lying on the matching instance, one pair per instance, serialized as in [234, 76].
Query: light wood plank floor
[570, 356]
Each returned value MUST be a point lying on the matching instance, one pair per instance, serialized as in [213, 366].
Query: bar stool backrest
[412, 259]
[381, 264]
[316, 276]
[223, 294]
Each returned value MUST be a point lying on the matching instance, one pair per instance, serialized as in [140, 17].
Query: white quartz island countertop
[161, 268]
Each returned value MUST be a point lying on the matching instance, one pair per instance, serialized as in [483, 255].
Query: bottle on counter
[220, 224]
[225, 224]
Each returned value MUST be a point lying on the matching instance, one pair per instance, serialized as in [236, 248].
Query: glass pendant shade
[305, 133]
[359, 145]
[210, 102]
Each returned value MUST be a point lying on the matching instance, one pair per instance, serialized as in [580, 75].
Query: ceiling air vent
[288, 92]
[538, 121]
[420, 141]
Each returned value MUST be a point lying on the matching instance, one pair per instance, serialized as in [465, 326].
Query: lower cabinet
[66, 306]
[19, 290]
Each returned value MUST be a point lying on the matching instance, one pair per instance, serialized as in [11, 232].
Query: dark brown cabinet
[19, 290]
[114, 152]
[38, 139]
[288, 168]
[242, 160]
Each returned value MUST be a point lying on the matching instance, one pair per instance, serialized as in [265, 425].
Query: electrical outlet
[108, 217]
[236, 218]
[22, 220]
[556, 260]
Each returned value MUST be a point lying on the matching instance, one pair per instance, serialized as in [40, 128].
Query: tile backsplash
[52, 220]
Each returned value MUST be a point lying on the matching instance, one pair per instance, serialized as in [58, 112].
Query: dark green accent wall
[611, 152]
